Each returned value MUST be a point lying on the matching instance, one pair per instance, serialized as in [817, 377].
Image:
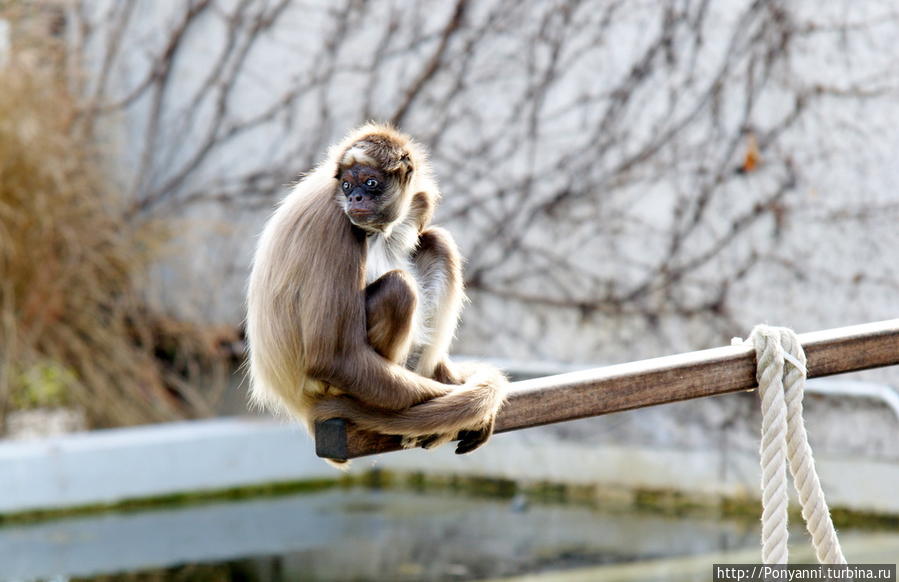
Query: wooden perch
[645, 383]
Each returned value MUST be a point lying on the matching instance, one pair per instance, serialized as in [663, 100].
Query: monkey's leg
[390, 304]
[438, 265]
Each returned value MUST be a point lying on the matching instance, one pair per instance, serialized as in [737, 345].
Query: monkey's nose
[358, 197]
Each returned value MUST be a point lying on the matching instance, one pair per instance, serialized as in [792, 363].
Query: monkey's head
[374, 175]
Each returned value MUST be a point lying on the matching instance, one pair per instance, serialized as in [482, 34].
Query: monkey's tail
[471, 406]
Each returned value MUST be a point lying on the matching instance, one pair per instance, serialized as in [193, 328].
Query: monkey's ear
[406, 167]
[423, 208]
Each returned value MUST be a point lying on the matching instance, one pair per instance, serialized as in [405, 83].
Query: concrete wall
[824, 260]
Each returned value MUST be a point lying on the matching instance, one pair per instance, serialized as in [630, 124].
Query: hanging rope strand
[802, 461]
[773, 449]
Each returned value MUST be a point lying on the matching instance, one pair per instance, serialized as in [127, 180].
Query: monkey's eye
[346, 185]
[371, 183]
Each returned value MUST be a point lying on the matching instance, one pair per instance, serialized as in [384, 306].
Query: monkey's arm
[390, 304]
[370, 378]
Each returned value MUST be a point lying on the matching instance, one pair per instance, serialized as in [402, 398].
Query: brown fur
[325, 344]
[389, 307]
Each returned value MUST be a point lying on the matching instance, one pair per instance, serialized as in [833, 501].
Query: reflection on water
[358, 534]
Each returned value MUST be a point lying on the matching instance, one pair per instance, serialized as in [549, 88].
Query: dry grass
[73, 327]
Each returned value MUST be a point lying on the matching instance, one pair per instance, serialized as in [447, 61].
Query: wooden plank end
[331, 439]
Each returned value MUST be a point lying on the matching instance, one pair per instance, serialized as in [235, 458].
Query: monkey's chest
[383, 257]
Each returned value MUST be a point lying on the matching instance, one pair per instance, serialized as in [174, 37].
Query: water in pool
[363, 534]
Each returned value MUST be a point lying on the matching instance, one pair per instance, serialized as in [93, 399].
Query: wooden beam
[645, 383]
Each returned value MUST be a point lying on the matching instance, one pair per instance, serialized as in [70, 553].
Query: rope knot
[785, 442]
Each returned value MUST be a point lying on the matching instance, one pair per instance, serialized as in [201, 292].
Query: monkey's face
[368, 197]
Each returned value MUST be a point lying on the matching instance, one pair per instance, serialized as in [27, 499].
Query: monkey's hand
[470, 440]
[492, 402]
[474, 405]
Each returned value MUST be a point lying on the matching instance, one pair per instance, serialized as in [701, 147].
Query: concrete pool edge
[229, 458]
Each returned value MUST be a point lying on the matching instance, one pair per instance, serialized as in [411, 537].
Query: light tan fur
[355, 320]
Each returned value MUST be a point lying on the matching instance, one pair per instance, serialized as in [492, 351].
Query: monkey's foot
[409, 442]
[430, 441]
[469, 440]
[435, 440]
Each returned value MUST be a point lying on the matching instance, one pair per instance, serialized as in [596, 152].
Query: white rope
[784, 440]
